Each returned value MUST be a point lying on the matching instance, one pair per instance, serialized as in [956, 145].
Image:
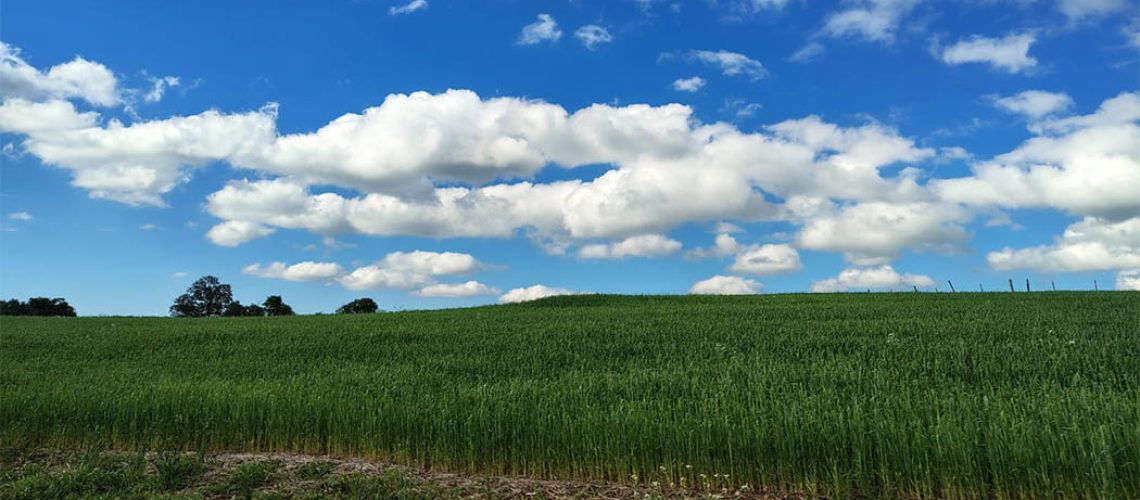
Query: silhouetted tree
[359, 306]
[206, 297]
[11, 307]
[274, 306]
[37, 306]
[236, 309]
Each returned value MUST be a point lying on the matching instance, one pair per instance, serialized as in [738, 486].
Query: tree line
[209, 297]
[36, 306]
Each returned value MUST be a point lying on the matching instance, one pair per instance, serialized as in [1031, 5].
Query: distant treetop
[37, 306]
[359, 306]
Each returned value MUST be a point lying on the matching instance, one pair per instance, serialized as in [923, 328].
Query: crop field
[904, 394]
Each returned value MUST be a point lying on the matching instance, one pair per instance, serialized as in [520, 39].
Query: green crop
[947, 395]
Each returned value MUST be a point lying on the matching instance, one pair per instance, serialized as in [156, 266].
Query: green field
[948, 395]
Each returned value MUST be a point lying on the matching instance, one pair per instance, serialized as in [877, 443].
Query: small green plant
[315, 470]
[175, 471]
[250, 476]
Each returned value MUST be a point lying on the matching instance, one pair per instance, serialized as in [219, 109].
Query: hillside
[952, 395]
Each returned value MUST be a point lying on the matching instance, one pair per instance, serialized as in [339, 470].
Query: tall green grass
[948, 395]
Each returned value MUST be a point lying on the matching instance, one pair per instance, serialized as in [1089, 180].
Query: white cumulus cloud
[1009, 53]
[1034, 104]
[645, 245]
[409, 270]
[78, 79]
[533, 292]
[301, 271]
[692, 84]
[453, 290]
[1086, 165]
[1128, 280]
[1091, 244]
[767, 259]
[236, 232]
[725, 285]
[882, 277]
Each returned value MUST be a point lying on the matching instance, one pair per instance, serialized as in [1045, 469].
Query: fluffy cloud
[688, 84]
[455, 136]
[409, 270]
[301, 271]
[20, 216]
[646, 245]
[875, 232]
[723, 246]
[1086, 165]
[725, 285]
[882, 277]
[671, 171]
[454, 290]
[871, 20]
[408, 8]
[236, 232]
[1009, 53]
[1128, 280]
[25, 117]
[592, 35]
[137, 163]
[542, 30]
[730, 63]
[78, 79]
[1089, 245]
[532, 293]
[1034, 104]
[767, 259]
[384, 168]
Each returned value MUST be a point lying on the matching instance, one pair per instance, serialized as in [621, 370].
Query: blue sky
[444, 153]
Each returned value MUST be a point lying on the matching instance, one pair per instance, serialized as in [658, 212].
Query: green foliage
[95, 475]
[390, 484]
[175, 471]
[36, 306]
[359, 306]
[872, 395]
[275, 306]
[206, 297]
[250, 476]
[315, 470]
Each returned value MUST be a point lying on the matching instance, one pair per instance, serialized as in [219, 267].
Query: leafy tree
[274, 306]
[11, 307]
[359, 306]
[236, 309]
[37, 306]
[206, 297]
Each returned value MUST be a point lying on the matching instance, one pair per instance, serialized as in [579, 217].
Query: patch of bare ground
[62, 473]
